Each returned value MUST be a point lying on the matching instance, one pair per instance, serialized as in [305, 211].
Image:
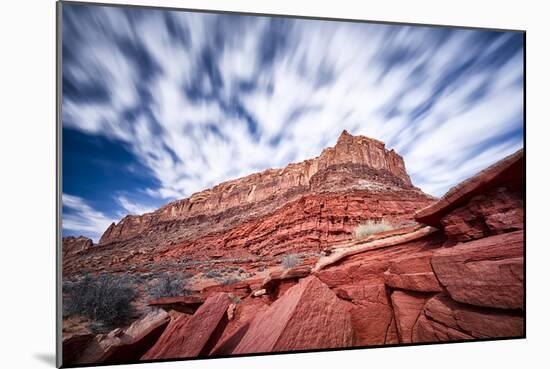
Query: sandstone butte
[452, 270]
[301, 208]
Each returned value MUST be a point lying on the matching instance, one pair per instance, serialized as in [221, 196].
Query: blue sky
[159, 104]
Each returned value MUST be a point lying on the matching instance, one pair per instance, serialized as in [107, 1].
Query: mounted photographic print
[239, 184]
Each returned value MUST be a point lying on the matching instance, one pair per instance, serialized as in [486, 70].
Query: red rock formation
[360, 278]
[355, 162]
[173, 337]
[506, 177]
[302, 208]
[245, 312]
[197, 335]
[74, 345]
[458, 276]
[486, 272]
[122, 345]
[407, 307]
[412, 273]
[75, 245]
[293, 321]
[184, 304]
[442, 290]
[307, 224]
[443, 319]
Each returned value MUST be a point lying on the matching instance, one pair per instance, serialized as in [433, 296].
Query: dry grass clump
[291, 260]
[169, 285]
[372, 227]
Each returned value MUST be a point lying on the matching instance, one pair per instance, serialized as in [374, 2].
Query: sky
[158, 104]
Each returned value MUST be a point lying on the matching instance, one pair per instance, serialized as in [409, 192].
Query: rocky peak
[344, 138]
[367, 152]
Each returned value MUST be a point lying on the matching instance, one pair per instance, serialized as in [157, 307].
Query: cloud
[202, 98]
[132, 207]
[82, 219]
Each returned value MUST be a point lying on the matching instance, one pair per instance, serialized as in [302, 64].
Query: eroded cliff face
[301, 208]
[76, 245]
[355, 162]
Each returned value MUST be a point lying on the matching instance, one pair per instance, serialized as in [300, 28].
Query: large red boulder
[245, 311]
[125, 345]
[308, 316]
[496, 211]
[443, 319]
[412, 273]
[486, 272]
[507, 174]
[361, 277]
[407, 307]
[194, 336]
[371, 314]
[74, 345]
[170, 341]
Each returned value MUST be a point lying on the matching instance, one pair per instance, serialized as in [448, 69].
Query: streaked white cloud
[81, 217]
[133, 208]
[199, 124]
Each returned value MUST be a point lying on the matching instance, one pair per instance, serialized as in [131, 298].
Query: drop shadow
[46, 358]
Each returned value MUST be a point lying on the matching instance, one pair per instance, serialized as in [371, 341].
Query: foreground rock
[196, 335]
[491, 202]
[462, 282]
[486, 272]
[123, 345]
[307, 316]
[443, 319]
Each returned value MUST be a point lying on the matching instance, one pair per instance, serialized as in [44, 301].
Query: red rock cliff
[301, 208]
[354, 162]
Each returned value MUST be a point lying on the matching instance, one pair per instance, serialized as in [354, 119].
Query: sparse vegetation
[291, 260]
[213, 274]
[105, 299]
[170, 285]
[229, 281]
[372, 227]
[235, 299]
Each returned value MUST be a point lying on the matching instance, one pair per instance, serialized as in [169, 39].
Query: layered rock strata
[301, 208]
[354, 162]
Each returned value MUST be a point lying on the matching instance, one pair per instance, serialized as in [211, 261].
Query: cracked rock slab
[486, 272]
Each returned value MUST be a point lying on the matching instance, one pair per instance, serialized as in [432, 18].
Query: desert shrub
[105, 299]
[213, 274]
[291, 260]
[372, 227]
[229, 281]
[170, 285]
